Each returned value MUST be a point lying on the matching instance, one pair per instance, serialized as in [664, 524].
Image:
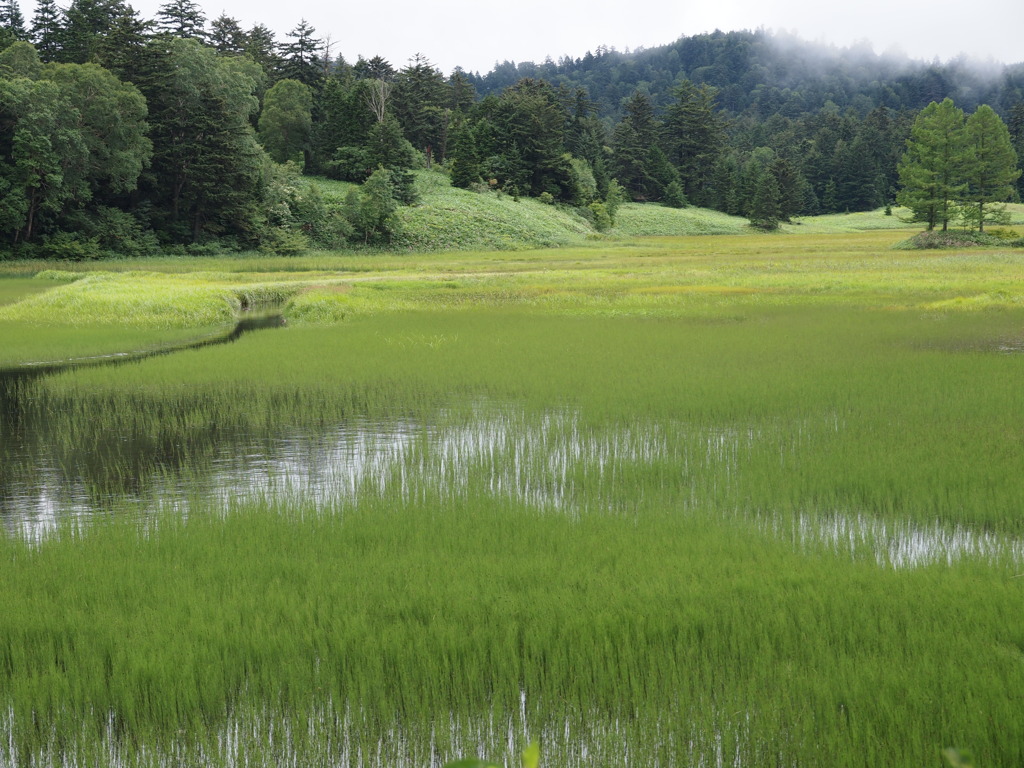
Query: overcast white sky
[475, 34]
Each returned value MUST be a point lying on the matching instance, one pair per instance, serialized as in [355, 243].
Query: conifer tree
[420, 102]
[227, 35]
[694, 134]
[47, 28]
[991, 169]
[302, 58]
[12, 20]
[932, 169]
[182, 18]
[464, 158]
[634, 139]
[1016, 129]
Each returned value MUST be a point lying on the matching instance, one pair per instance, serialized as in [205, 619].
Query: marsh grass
[416, 617]
[645, 501]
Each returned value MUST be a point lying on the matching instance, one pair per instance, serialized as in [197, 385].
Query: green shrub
[71, 246]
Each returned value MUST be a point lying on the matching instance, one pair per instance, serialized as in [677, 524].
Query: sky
[475, 34]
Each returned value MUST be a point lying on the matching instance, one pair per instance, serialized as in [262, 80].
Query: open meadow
[727, 499]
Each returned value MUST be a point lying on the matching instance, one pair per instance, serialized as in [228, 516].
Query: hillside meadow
[746, 499]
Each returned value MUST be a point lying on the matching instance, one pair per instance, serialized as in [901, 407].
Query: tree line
[124, 134]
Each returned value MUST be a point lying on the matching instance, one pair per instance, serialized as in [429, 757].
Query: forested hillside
[125, 134]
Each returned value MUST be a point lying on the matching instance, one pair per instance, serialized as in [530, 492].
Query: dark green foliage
[182, 18]
[302, 59]
[47, 27]
[527, 144]
[12, 21]
[261, 46]
[70, 136]
[633, 143]
[87, 23]
[123, 49]
[461, 92]
[791, 187]
[377, 68]
[371, 211]
[765, 209]
[463, 157]
[420, 103]
[694, 134]
[286, 121]
[207, 167]
[674, 196]
[227, 36]
[1015, 125]
[344, 122]
[991, 169]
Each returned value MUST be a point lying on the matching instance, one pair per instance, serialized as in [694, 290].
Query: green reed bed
[886, 413]
[661, 634]
[641, 507]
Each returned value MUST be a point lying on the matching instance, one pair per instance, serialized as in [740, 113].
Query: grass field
[749, 500]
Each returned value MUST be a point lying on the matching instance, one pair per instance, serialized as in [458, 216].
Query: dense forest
[127, 135]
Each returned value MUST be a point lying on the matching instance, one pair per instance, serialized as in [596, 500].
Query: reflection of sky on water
[545, 461]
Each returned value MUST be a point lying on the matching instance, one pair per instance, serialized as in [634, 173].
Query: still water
[550, 460]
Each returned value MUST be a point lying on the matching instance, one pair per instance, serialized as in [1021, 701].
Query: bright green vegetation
[749, 496]
[635, 220]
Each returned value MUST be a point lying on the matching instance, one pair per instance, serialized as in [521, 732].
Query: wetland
[747, 500]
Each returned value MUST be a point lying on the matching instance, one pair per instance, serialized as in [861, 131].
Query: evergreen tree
[87, 24]
[462, 92]
[694, 135]
[991, 167]
[47, 29]
[302, 58]
[765, 212]
[635, 137]
[420, 102]
[1015, 125]
[857, 189]
[529, 126]
[465, 161]
[791, 186]
[12, 20]
[182, 18]
[227, 35]
[344, 121]
[674, 196]
[377, 68]
[207, 172]
[261, 45]
[932, 169]
[123, 49]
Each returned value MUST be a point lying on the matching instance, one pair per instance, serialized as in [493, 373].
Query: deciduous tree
[285, 121]
[932, 169]
[991, 167]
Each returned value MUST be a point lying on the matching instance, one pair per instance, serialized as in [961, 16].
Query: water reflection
[52, 474]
